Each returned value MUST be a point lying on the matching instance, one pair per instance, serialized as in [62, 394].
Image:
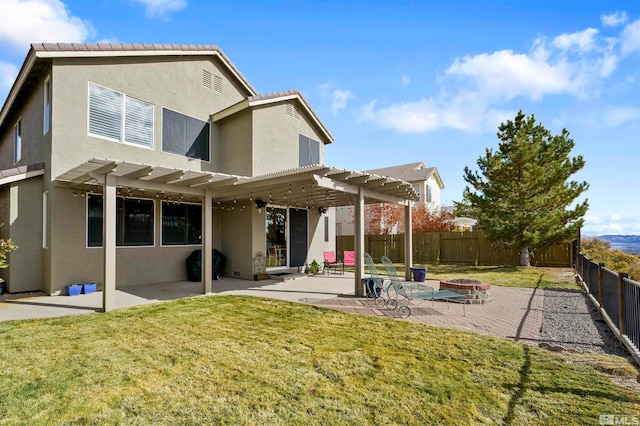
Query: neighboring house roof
[410, 172]
[40, 54]
[270, 98]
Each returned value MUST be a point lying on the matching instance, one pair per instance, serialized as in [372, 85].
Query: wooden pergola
[304, 187]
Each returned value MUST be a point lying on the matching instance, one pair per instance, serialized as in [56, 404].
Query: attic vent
[206, 79]
[292, 111]
[217, 84]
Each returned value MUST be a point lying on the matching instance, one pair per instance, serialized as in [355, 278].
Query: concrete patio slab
[516, 313]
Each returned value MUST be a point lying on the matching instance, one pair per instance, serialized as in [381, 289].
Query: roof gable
[272, 98]
[40, 55]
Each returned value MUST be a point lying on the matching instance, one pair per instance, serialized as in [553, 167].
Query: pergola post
[359, 244]
[207, 242]
[408, 242]
[109, 243]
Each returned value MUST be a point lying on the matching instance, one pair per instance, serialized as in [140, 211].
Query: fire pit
[475, 291]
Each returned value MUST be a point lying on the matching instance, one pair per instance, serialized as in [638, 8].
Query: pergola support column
[109, 243]
[207, 242]
[408, 242]
[359, 244]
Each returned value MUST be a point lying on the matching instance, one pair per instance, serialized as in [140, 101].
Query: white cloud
[405, 80]
[339, 99]
[162, 8]
[609, 117]
[570, 64]
[582, 40]
[614, 19]
[611, 224]
[505, 75]
[431, 114]
[38, 21]
[630, 37]
[8, 73]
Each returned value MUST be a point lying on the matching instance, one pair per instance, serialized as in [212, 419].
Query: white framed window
[47, 105]
[17, 142]
[134, 221]
[45, 215]
[181, 224]
[429, 197]
[117, 117]
[418, 188]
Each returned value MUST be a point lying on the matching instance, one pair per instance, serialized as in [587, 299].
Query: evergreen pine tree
[522, 194]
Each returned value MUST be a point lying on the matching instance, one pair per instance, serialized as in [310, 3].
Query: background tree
[425, 220]
[383, 219]
[521, 194]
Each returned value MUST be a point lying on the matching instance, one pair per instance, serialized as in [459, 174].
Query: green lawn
[508, 276]
[242, 360]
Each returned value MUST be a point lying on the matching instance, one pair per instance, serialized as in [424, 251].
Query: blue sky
[398, 82]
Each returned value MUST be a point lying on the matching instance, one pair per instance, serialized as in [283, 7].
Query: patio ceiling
[305, 187]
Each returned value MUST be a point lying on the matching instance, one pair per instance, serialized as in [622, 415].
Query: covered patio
[311, 187]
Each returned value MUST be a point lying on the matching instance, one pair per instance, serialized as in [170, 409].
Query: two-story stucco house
[118, 160]
[426, 182]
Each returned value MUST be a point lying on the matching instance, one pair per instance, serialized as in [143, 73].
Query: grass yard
[242, 360]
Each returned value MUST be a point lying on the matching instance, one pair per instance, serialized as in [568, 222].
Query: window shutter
[105, 112]
[139, 122]
[185, 135]
[174, 130]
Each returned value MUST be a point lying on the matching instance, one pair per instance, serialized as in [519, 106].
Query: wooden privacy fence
[617, 297]
[469, 248]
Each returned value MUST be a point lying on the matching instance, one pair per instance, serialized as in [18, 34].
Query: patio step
[287, 275]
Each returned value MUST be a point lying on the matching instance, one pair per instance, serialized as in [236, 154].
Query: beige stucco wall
[236, 235]
[275, 138]
[77, 263]
[176, 85]
[33, 139]
[163, 82]
[317, 244]
[24, 227]
[234, 138]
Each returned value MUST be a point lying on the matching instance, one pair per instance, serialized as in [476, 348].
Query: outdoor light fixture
[260, 205]
[322, 210]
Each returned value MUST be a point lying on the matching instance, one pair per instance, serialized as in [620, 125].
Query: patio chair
[349, 258]
[331, 264]
[375, 284]
[405, 291]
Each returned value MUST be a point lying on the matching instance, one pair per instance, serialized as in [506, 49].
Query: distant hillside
[626, 243]
[620, 239]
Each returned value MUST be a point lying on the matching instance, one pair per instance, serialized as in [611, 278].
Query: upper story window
[184, 135]
[17, 142]
[309, 152]
[115, 116]
[429, 198]
[418, 188]
[47, 105]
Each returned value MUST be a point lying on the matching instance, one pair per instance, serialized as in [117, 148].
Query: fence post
[600, 285]
[622, 319]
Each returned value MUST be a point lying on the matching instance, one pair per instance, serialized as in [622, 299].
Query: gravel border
[571, 322]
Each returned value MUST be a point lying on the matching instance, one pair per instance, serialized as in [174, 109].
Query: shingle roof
[140, 47]
[410, 172]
